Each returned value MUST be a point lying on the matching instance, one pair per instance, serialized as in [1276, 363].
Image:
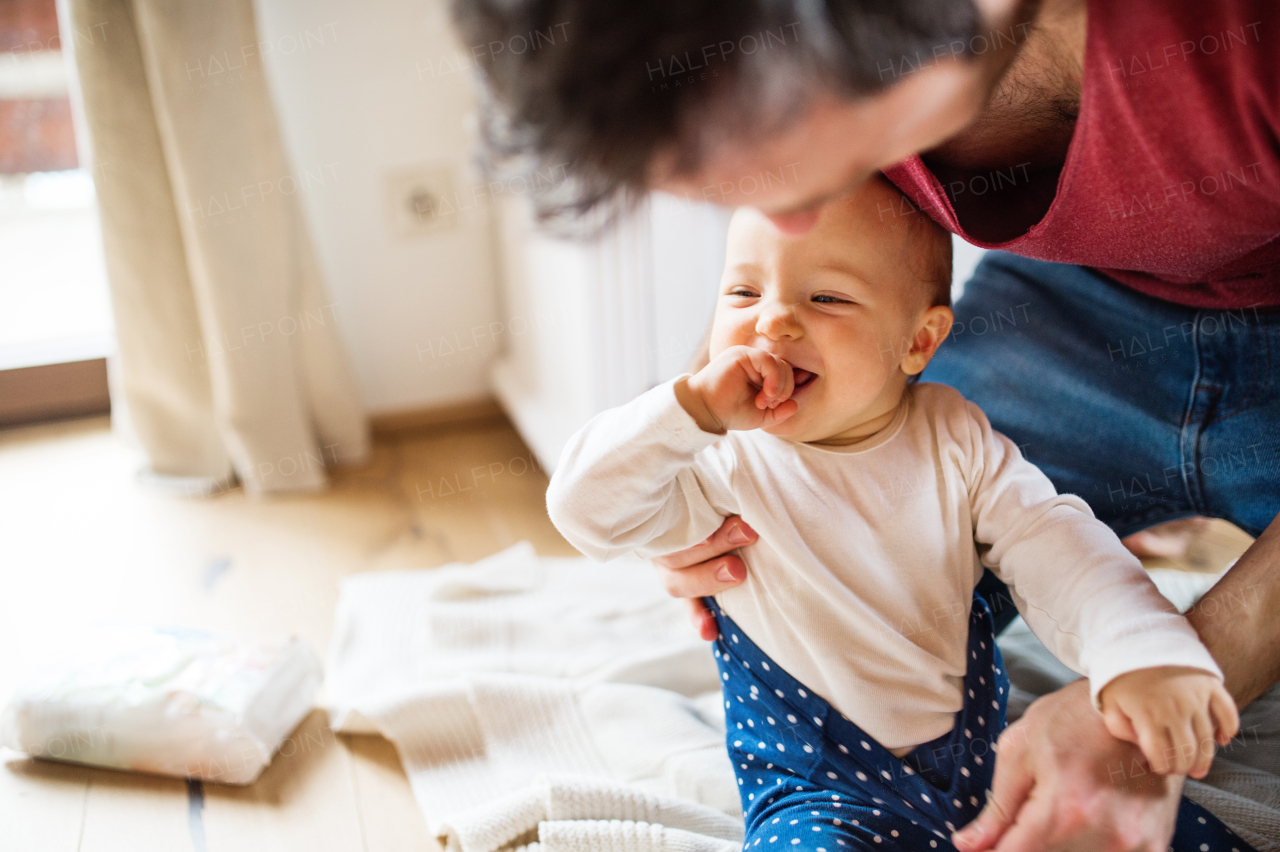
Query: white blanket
[552, 704]
[556, 705]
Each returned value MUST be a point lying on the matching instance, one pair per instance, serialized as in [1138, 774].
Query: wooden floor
[81, 540]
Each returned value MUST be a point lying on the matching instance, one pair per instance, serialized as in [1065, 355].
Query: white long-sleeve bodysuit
[862, 579]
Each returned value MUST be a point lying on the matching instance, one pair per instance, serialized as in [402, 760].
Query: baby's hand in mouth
[742, 388]
[802, 377]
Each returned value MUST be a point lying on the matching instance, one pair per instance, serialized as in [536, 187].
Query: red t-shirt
[1171, 183]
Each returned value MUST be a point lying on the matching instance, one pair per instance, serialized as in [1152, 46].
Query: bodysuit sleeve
[641, 478]
[1082, 593]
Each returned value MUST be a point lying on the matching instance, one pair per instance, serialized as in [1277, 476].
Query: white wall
[964, 258]
[592, 325]
[688, 260]
[365, 91]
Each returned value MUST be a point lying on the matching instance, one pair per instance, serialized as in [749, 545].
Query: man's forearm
[1239, 619]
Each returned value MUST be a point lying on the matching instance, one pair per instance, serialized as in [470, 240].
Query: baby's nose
[778, 321]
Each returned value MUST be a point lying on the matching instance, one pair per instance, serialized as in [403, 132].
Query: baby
[863, 687]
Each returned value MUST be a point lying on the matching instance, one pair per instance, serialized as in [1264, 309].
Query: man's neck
[1030, 113]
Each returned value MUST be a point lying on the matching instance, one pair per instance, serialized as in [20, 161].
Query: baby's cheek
[866, 369]
[727, 331]
[890, 348]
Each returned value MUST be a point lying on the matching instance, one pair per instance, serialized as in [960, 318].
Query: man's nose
[795, 223]
[777, 321]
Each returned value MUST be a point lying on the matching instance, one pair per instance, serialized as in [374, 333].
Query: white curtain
[229, 360]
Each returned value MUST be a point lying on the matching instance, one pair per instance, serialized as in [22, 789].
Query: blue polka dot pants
[811, 779]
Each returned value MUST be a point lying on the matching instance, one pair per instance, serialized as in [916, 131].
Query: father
[1125, 157]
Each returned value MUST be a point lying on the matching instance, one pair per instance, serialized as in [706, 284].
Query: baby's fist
[741, 388]
[1174, 714]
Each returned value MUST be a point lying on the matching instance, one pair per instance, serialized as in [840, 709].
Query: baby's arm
[635, 479]
[1173, 714]
[1092, 604]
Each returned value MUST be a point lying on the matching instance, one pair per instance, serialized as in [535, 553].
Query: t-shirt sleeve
[1082, 593]
[642, 479]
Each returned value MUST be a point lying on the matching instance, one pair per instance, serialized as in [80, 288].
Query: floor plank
[84, 541]
[42, 804]
[132, 812]
[392, 820]
[304, 801]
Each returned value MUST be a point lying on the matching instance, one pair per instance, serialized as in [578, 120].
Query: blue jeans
[1147, 410]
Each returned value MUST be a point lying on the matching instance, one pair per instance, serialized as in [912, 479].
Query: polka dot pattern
[830, 786]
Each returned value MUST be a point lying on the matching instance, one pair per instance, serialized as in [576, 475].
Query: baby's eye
[741, 292]
[824, 299]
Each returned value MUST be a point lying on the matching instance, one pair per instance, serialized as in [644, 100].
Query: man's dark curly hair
[596, 89]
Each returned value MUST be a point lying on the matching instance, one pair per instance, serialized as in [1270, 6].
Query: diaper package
[171, 701]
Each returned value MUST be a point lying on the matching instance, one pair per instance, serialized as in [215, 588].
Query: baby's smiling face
[847, 304]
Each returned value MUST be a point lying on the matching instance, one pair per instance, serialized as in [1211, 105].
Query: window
[55, 318]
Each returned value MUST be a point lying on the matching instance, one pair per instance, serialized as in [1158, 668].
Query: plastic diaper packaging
[172, 701]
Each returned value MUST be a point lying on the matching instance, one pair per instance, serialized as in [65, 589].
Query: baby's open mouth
[802, 377]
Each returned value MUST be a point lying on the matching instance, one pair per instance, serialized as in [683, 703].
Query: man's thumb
[984, 832]
[1008, 793]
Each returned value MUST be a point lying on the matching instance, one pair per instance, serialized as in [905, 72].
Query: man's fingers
[733, 533]
[703, 621]
[1075, 803]
[706, 578]
[1030, 833]
[1009, 790]
[986, 830]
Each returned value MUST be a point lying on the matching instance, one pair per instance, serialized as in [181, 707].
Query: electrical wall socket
[422, 200]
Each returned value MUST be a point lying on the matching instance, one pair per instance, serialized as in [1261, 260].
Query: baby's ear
[931, 330]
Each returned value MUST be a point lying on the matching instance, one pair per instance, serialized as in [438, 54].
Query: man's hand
[706, 569]
[742, 388]
[1064, 784]
[1174, 714]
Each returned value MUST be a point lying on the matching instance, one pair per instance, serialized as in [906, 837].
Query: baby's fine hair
[929, 243]
[933, 259]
